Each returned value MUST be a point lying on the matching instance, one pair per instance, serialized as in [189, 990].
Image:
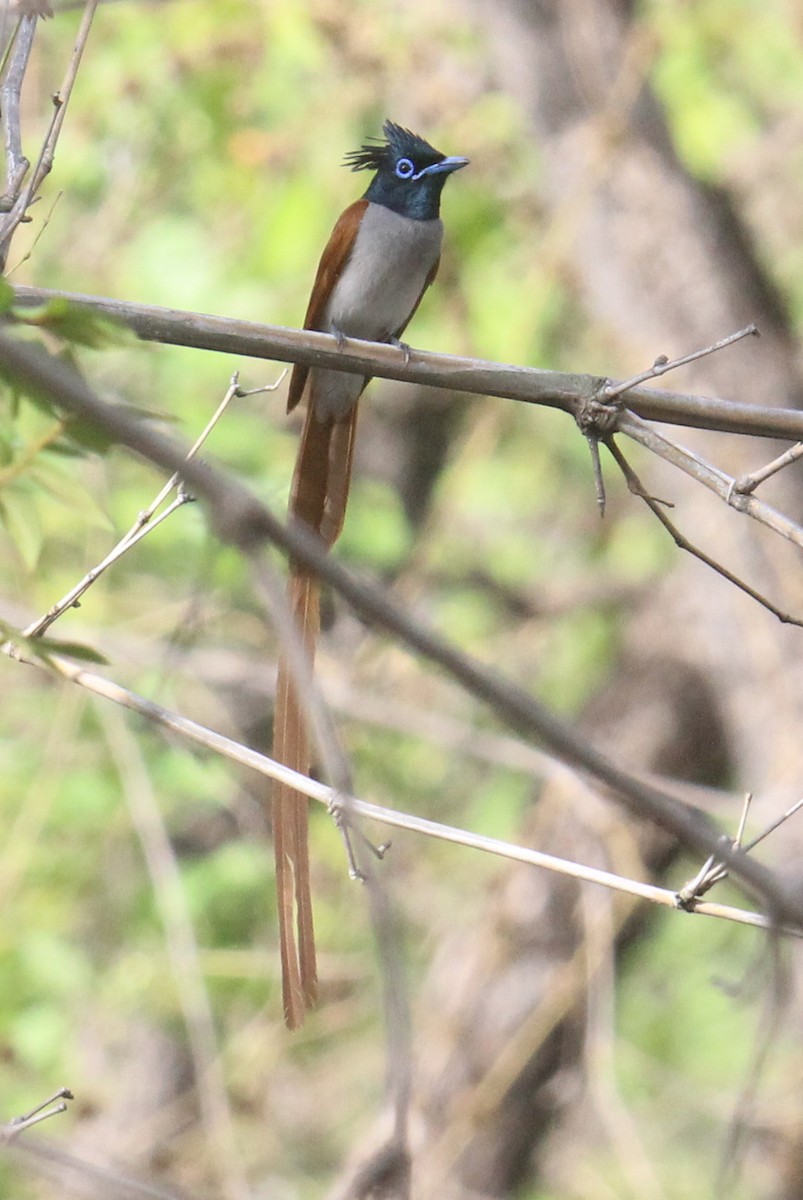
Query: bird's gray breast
[378, 289]
[385, 274]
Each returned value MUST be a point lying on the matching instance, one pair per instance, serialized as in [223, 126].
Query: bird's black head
[410, 173]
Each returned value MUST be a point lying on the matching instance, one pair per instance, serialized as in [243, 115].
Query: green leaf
[75, 324]
[6, 447]
[61, 482]
[44, 646]
[87, 436]
[20, 515]
[6, 295]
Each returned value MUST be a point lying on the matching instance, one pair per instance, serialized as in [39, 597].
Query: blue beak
[445, 166]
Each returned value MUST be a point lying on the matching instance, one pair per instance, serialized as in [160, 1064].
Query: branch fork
[55, 1104]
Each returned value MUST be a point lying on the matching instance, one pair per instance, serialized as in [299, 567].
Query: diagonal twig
[746, 484]
[682, 542]
[218, 743]
[44, 163]
[146, 521]
[715, 480]
[663, 364]
[714, 871]
[598, 416]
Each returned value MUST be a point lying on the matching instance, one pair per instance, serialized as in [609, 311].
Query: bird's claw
[394, 341]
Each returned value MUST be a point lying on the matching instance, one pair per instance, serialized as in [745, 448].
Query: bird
[381, 257]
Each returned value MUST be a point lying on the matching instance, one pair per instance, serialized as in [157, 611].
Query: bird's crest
[378, 154]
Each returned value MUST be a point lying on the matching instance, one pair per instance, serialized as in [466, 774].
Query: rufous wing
[330, 268]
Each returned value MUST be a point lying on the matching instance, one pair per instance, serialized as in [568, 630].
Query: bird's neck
[421, 202]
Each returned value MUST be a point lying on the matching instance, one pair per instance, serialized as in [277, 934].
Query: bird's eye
[404, 168]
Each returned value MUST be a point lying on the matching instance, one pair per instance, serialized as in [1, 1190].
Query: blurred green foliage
[199, 168]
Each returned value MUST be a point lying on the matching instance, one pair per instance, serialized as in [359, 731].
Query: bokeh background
[634, 189]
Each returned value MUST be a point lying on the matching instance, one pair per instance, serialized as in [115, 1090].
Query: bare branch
[748, 483]
[145, 522]
[713, 478]
[241, 520]
[663, 364]
[682, 542]
[714, 871]
[22, 200]
[323, 794]
[552, 389]
[48, 1108]
[17, 165]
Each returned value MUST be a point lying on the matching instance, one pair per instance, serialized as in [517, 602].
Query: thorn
[599, 482]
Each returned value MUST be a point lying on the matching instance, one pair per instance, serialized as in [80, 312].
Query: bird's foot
[394, 341]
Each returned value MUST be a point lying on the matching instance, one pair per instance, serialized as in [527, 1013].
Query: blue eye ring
[405, 169]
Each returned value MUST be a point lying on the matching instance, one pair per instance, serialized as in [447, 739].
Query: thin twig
[44, 162]
[712, 870]
[596, 466]
[663, 364]
[715, 871]
[746, 484]
[637, 488]
[39, 233]
[553, 389]
[40, 626]
[42, 1112]
[320, 792]
[748, 800]
[598, 417]
[145, 522]
[773, 825]
[710, 477]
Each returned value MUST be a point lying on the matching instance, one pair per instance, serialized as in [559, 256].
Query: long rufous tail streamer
[318, 498]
